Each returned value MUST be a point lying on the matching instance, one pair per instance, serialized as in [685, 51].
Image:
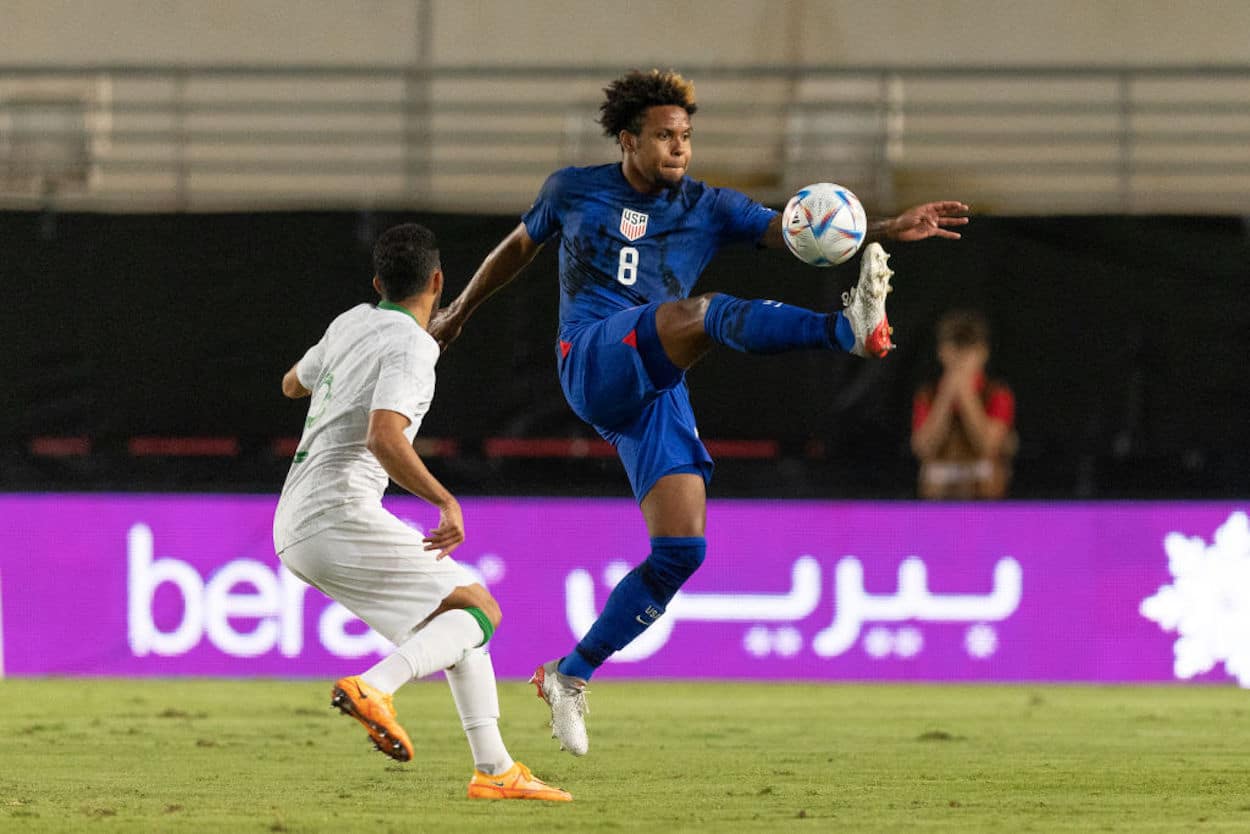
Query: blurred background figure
[963, 427]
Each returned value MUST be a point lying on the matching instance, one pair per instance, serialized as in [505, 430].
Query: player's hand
[962, 375]
[929, 220]
[958, 381]
[449, 534]
[445, 327]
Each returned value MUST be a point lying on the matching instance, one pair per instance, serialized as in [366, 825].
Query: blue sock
[636, 602]
[842, 332]
[755, 326]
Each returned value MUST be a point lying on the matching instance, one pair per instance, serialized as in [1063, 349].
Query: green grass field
[238, 756]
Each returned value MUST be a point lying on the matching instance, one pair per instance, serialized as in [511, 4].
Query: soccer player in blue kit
[634, 238]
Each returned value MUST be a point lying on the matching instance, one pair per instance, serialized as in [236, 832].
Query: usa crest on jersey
[633, 224]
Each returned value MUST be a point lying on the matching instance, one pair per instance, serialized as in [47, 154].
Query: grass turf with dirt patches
[239, 756]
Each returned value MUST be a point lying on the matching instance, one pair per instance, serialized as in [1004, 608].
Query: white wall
[206, 31]
[668, 32]
[846, 31]
[686, 34]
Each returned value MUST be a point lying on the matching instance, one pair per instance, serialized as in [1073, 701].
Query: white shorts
[377, 567]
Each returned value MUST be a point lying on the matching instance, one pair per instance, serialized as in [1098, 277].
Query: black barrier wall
[1126, 340]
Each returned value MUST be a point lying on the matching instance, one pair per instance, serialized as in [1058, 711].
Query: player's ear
[436, 283]
[629, 142]
[377, 286]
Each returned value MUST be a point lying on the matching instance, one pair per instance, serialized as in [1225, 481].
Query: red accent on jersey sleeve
[1001, 405]
[631, 339]
[920, 407]
[565, 347]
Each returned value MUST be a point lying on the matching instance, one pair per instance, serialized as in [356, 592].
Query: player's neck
[637, 181]
[417, 307]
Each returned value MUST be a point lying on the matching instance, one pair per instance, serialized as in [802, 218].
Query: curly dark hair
[628, 97]
[404, 258]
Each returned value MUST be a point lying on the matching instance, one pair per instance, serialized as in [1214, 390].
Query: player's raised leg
[451, 638]
[466, 619]
[690, 327]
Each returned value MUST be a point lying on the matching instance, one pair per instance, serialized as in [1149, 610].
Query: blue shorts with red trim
[617, 378]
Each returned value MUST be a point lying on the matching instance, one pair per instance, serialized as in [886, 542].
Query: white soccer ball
[824, 224]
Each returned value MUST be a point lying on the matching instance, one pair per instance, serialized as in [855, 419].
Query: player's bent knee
[483, 601]
[673, 560]
[476, 597]
[490, 607]
[684, 314]
[699, 306]
[483, 621]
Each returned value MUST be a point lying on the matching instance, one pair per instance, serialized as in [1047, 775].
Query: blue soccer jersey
[620, 248]
[622, 255]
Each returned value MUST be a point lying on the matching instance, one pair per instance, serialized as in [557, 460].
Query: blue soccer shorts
[617, 378]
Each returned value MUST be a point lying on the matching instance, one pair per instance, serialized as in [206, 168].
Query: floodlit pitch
[225, 755]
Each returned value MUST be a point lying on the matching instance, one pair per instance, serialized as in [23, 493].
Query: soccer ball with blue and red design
[824, 224]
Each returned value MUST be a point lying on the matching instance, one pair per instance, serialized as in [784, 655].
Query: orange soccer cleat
[375, 710]
[515, 783]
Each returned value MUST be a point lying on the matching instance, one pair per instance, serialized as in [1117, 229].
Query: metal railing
[1007, 139]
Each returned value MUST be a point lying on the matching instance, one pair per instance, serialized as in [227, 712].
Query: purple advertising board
[190, 585]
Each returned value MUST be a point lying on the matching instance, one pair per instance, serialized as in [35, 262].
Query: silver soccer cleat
[865, 304]
[566, 695]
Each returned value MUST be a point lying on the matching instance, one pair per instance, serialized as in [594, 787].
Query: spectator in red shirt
[963, 427]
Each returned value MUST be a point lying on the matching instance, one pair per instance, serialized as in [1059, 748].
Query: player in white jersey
[371, 378]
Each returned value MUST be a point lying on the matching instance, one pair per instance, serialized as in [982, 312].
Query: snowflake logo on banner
[1208, 602]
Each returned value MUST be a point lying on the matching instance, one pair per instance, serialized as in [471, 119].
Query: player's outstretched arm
[503, 264]
[388, 444]
[917, 223]
[773, 238]
[920, 222]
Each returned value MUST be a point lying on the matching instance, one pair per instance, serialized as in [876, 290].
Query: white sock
[439, 644]
[472, 682]
[388, 674]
